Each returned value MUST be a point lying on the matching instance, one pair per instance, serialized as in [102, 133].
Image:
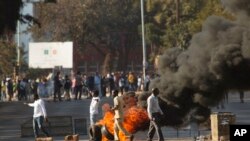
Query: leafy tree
[60, 22]
[7, 58]
[157, 14]
[112, 24]
[108, 26]
[166, 28]
[211, 7]
[164, 16]
[8, 21]
[9, 15]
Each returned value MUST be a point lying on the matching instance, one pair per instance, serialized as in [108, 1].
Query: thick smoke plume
[217, 60]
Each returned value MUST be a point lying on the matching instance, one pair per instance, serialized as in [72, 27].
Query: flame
[135, 118]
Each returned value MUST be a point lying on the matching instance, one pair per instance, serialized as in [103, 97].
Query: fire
[135, 118]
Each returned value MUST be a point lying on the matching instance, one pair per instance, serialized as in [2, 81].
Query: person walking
[3, 89]
[78, 86]
[9, 89]
[57, 87]
[39, 116]
[118, 109]
[154, 114]
[94, 112]
[42, 89]
[97, 83]
[23, 86]
[139, 83]
[121, 84]
[66, 87]
[131, 81]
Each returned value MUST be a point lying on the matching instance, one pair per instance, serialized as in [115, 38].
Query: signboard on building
[51, 54]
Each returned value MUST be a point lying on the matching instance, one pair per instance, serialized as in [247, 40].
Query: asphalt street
[13, 114]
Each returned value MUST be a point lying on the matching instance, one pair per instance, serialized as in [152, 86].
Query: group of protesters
[79, 85]
[71, 86]
[19, 89]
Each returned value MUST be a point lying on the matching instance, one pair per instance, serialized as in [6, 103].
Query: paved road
[13, 114]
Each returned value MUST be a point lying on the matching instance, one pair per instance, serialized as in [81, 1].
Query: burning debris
[135, 119]
[217, 60]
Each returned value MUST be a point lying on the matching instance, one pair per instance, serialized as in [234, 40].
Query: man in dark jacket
[57, 87]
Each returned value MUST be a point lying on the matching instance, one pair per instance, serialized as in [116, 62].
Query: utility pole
[18, 43]
[143, 43]
[17, 64]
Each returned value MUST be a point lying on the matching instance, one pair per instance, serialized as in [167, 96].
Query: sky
[25, 37]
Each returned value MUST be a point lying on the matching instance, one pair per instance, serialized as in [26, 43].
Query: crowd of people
[71, 86]
[19, 89]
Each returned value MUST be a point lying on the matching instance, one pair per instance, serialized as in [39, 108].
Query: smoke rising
[217, 60]
[240, 8]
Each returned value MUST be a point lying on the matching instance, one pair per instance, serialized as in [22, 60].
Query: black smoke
[194, 80]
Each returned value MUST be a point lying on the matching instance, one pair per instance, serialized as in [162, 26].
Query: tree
[212, 7]
[173, 19]
[9, 15]
[8, 21]
[7, 58]
[114, 24]
[111, 27]
[172, 23]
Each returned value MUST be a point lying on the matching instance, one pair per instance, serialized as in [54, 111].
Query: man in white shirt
[154, 114]
[39, 115]
[94, 112]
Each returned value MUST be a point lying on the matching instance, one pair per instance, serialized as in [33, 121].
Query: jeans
[155, 127]
[57, 92]
[38, 124]
[78, 92]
